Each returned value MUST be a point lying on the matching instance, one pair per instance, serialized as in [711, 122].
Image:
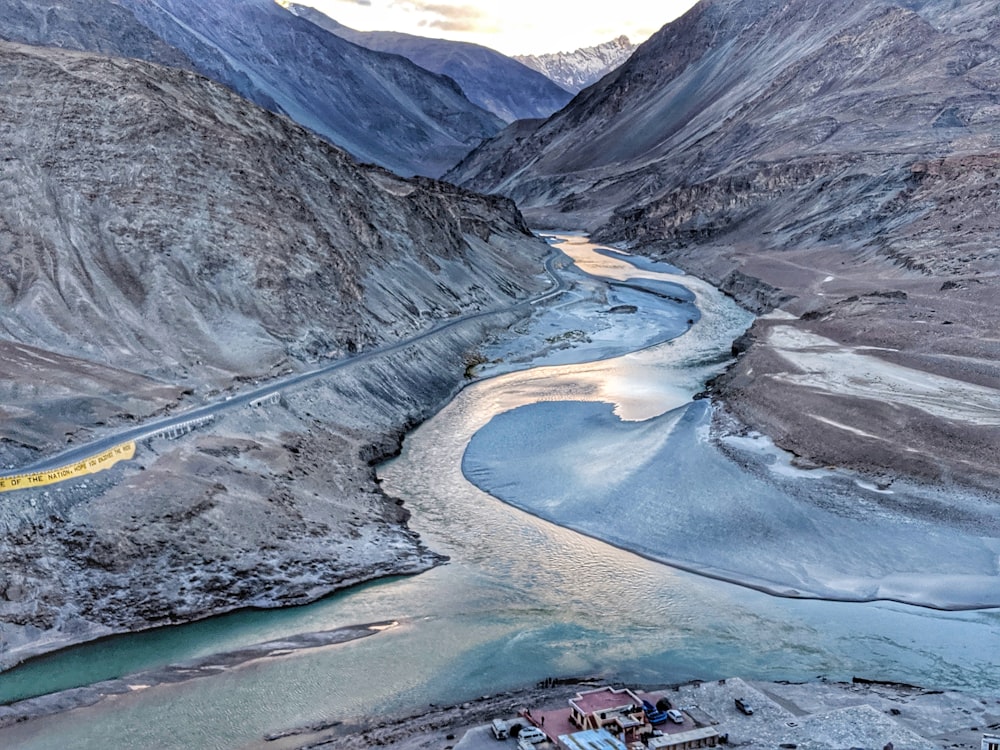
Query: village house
[616, 719]
[618, 711]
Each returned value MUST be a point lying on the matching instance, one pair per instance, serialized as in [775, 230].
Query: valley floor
[818, 715]
[294, 444]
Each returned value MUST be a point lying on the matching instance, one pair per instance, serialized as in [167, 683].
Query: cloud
[447, 17]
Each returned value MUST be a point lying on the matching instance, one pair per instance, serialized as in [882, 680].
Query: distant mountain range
[381, 108]
[576, 70]
[411, 104]
[495, 82]
[836, 159]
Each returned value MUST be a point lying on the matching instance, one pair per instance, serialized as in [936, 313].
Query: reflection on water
[521, 599]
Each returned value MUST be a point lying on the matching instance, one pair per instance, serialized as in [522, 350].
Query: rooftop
[591, 739]
[681, 738]
[605, 699]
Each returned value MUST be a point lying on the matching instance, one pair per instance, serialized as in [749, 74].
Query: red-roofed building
[618, 711]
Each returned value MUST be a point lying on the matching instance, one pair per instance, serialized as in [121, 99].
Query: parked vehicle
[744, 707]
[534, 735]
[675, 716]
[654, 715]
[500, 729]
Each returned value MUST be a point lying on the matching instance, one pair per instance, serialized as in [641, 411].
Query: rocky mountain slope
[576, 70]
[835, 160]
[495, 82]
[163, 238]
[380, 108]
[101, 26]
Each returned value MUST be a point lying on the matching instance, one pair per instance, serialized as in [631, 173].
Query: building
[617, 711]
[991, 742]
[591, 739]
[693, 738]
[619, 719]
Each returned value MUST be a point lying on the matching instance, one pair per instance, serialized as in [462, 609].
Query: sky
[514, 27]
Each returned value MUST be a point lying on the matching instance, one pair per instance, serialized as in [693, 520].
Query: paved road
[215, 408]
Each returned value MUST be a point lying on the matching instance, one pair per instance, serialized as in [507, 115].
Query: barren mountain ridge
[834, 162]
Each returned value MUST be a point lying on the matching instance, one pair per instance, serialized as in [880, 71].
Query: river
[522, 598]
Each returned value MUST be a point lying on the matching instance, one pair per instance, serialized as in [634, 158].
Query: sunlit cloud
[448, 17]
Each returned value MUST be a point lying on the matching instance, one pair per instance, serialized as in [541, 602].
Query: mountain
[100, 26]
[381, 108]
[107, 27]
[835, 160]
[155, 222]
[576, 70]
[495, 82]
[163, 239]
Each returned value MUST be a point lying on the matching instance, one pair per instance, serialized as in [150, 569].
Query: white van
[500, 729]
[531, 735]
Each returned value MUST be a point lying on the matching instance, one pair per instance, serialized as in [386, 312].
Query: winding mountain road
[211, 410]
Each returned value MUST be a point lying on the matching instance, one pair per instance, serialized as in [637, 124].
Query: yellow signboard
[91, 465]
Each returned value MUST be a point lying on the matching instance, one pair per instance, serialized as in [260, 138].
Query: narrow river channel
[523, 598]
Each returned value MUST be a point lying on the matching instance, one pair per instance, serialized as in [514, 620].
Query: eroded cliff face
[831, 160]
[163, 239]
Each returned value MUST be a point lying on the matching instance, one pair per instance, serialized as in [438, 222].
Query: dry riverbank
[867, 365]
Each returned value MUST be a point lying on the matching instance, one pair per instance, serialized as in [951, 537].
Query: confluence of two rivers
[521, 599]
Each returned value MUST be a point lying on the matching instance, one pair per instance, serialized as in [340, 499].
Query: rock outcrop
[805, 155]
[163, 238]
